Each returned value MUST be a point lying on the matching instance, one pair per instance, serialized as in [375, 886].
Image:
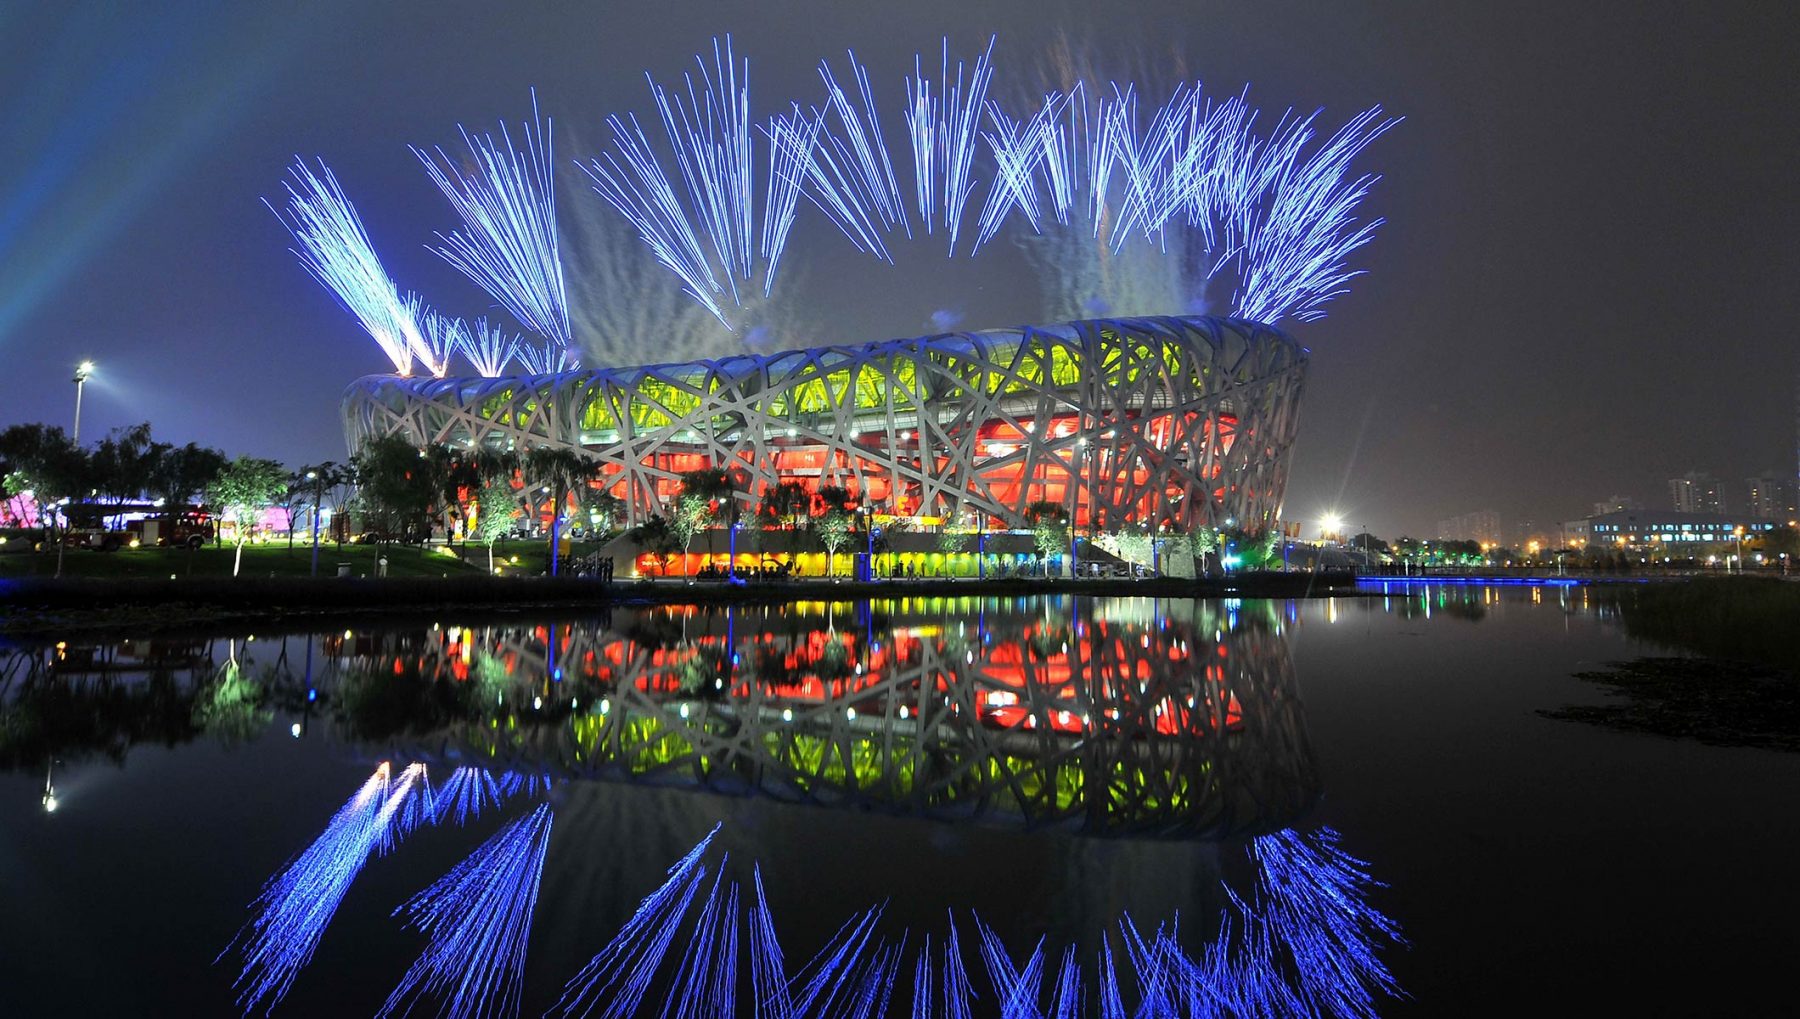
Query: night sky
[1585, 286]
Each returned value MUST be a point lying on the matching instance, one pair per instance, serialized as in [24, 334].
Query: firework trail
[506, 198]
[620, 974]
[1123, 204]
[704, 235]
[465, 794]
[488, 348]
[629, 309]
[478, 918]
[1315, 902]
[443, 336]
[333, 246]
[546, 358]
[1307, 944]
[298, 902]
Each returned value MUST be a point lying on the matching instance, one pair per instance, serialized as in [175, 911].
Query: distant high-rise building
[1772, 495]
[1616, 503]
[1481, 525]
[1697, 492]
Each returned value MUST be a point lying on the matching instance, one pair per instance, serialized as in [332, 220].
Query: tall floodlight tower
[82, 371]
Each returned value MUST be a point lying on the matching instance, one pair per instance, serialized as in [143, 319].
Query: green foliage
[1255, 550]
[783, 504]
[890, 531]
[124, 463]
[1049, 523]
[231, 708]
[395, 485]
[658, 538]
[244, 488]
[1204, 541]
[831, 497]
[559, 470]
[1439, 553]
[181, 474]
[604, 512]
[42, 460]
[705, 497]
[833, 529]
[1779, 541]
[955, 542]
[496, 516]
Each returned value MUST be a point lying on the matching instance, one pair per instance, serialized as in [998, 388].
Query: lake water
[1057, 799]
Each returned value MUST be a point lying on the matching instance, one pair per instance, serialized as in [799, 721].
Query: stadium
[1177, 422]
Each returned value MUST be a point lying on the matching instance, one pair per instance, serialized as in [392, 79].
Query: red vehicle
[109, 527]
[189, 527]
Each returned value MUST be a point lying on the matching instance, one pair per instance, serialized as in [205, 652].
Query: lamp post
[981, 547]
[731, 562]
[869, 541]
[82, 371]
[318, 481]
[1740, 554]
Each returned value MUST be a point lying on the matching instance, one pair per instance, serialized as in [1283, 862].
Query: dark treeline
[1746, 619]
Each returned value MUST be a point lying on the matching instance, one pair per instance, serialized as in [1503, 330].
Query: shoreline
[31, 607]
[35, 608]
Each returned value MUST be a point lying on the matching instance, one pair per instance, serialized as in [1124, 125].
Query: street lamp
[82, 371]
[318, 481]
[1740, 544]
[1330, 525]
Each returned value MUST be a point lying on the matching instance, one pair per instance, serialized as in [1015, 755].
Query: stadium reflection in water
[1136, 721]
[1128, 719]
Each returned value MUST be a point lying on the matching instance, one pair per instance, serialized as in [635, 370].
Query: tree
[125, 462]
[494, 519]
[955, 542]
[1202, 542]
[659, 539]
[1779, 541]
[395, 486]
[833, 528]
[44, 467]
[705, 494]
[784, 506]
[832, 497]
[308, 487]
[241, 492]
[604, 511]
[182, 473]
[296, 493]
[480, 474]
[1049, 523]
[560, 471]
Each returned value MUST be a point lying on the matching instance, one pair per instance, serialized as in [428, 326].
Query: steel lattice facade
[1177, 421]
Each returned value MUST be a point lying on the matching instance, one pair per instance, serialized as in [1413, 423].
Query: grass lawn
[533, 559]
